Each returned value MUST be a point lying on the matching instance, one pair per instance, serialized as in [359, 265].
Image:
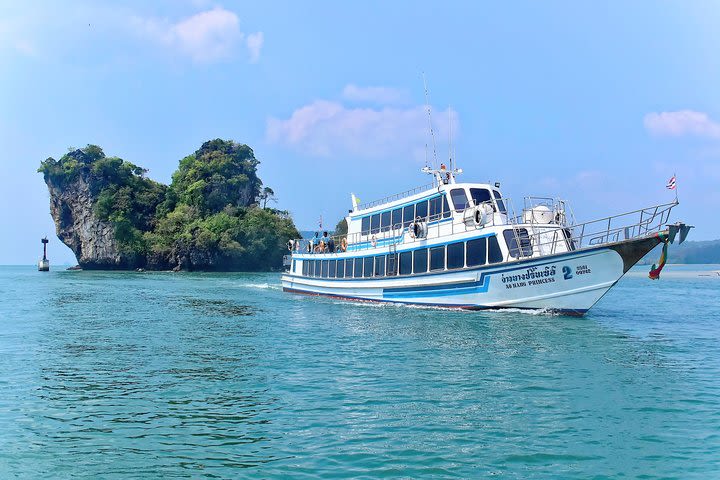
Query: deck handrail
[641, 222]
[396, 196]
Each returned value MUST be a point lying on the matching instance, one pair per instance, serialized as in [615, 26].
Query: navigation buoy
[44, 263]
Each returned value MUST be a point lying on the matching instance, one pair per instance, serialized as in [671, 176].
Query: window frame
[420, 252]
[365, 225]
[494, 247]
[404, 255]
[461, 247]
[483, 241]
[432, 255]
[371, 262]
[452, 197]
[421, 209]
[374, 223]
[396, 221]
[385, 221]
[379, 266]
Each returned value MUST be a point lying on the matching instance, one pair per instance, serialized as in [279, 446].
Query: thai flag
[671, 183]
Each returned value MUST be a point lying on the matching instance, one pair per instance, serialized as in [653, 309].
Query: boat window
[494, 252]
[481, 195]
[396, 217]
[380, 266]
[324, 269]
[421, 209]
[358, 268]
[500, 203]
[333, 268]
[568, 239]
[476, 252]
[408, 215]
[391, 259]
[368, 271]
[365, 226]
[446, 207]
[435, 208]
[459, 199]
[349, 268]
[456, 255]
[375, 223]
[437, 258]
[340, 268]
[524, 249]
[385, 221]
[420, 259]
[311, 268]
[405, 263]
[305, 267]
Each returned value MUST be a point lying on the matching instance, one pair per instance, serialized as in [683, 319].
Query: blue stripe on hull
[439, 290]
[560, 311]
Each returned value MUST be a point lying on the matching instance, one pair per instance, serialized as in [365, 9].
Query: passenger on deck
[331, 245]
[312, 246]
[325, 241]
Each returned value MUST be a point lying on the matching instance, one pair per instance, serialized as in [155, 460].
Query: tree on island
[267, 195]
[207, 219]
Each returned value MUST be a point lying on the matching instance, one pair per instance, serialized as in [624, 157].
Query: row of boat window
[434, 208]
[382, 222]
[479, 251]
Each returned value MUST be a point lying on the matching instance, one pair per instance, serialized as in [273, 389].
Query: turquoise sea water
[223, 375]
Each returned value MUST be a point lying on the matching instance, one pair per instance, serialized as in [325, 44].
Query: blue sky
[596, 103]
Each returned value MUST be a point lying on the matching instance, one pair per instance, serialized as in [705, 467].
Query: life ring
[373, 241]
[477, 215]
[343, 244]
[418, 229]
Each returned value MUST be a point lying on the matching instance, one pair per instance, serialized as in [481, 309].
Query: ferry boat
[460, 245]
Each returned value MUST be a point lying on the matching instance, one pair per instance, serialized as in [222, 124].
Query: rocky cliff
[77, 226]
[113, 217]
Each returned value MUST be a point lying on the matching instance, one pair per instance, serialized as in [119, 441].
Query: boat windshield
[500, 203]
[459, 199]
[480, 196]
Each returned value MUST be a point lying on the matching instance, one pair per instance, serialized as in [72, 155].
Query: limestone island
[212, 217]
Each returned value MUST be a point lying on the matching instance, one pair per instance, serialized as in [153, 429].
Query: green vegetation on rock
[207, 219]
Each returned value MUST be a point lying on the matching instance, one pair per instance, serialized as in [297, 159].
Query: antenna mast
[450, 152]
[432, 133]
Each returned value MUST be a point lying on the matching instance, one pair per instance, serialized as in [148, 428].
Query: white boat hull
[569, 283]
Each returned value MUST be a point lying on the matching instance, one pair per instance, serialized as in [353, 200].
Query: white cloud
[326, 128]
[379, 95]
[254, 44]
[681, 123]
[205, 37]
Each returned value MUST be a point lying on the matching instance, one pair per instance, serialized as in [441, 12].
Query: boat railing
[396, 196]
[625, 226]
[545, 238]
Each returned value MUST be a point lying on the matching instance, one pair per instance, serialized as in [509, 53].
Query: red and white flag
[671, 183]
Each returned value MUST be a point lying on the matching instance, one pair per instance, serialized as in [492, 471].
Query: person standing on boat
[325, 242]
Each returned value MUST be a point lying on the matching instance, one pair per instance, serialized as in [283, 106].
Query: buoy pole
[44, 264]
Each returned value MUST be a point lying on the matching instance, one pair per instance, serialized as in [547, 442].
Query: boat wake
[262, 286]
